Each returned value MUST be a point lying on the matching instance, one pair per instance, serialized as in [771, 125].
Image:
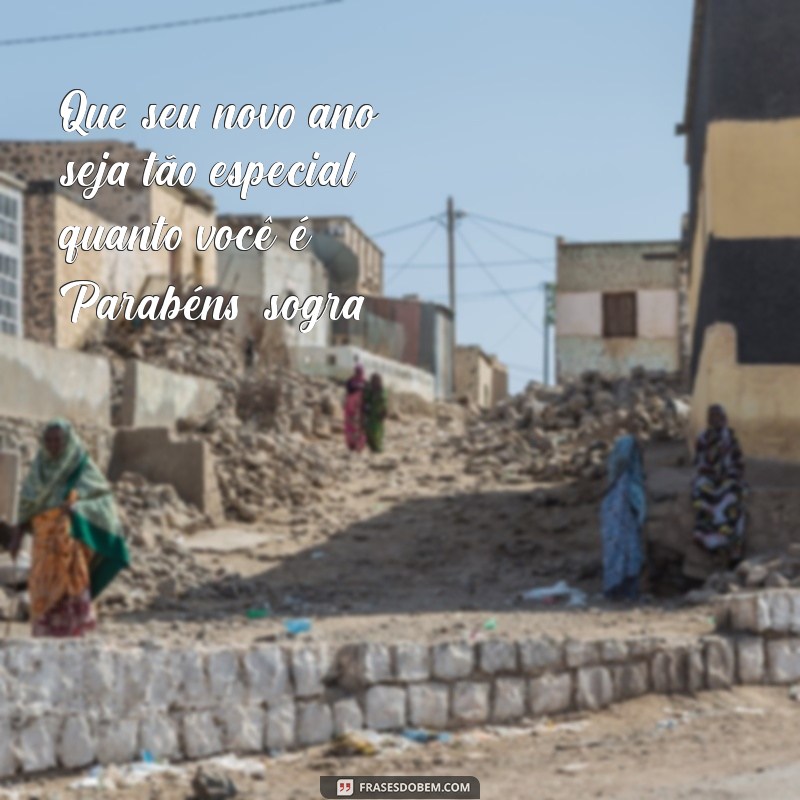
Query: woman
[623, 514]
[78, 548]
[718, 487]
[375, 410]
[354, 399]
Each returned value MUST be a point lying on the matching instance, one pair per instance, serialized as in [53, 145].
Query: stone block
[201, 736]
[498, 655]
[453, 660]
[412, 662]
[310, 668]
[347, 716]
[644, 646]
[795, 628]
[157, 734]
[720, 663]
[470, 702]
[193, 690]
[550, 694]
[695, 670]
[149, 680]
[613, 651]
[225, 679]
[630, 680]
[748, 612]
[429, 705]
[7, 761]
[314, 723]
[364, 664]
[266, 673]
[750, 660]
[36, 744]
[243, 728]
[103, 682]
[669, 671]
[594, 688]
[581, 654]
[783, 661]
[385, 707]
[541, 655]
[510, 699]
[76, 746]
[117, 741]
[281, 726]
[781, 612]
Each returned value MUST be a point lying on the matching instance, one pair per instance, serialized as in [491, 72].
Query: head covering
[625, 461]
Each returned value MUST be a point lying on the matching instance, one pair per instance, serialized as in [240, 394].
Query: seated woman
[78, 548]
[622, 515]
[718, 488]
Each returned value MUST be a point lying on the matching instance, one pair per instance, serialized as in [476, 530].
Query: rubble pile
[556, 432]
[766, 571]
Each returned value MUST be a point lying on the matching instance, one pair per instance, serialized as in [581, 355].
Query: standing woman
[622, 515]
[78, 548]
[718, 487]
[375, 411]
[353, 402]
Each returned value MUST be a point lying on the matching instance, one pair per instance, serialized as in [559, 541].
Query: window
[619, 314]
[9, 296]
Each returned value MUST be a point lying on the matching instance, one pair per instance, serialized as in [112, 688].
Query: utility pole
[549, 321]
[451, 273]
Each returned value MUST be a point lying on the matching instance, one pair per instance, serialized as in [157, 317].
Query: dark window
[619, 314]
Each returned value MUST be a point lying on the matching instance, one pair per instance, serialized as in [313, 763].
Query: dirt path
[737, 745]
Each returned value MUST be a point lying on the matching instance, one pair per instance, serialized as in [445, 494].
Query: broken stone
[208, 785]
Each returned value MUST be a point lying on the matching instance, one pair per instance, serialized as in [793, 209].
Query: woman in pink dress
[354, 434]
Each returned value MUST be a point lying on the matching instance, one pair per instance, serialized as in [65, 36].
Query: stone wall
[70, 704]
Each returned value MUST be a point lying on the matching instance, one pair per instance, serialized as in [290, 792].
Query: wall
[155, 397]
[760, 399]
[474, 376]
[78, 702]
[12, 239]
[337, 362]
[42, 383]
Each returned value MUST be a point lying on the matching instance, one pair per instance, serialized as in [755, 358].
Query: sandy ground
[735, 745]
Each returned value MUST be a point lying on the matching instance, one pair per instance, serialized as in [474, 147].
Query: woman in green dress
[375, 409]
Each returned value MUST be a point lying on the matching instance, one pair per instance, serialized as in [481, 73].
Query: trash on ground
[294, 627]
[560, 593]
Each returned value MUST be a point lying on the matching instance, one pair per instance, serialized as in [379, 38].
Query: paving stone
[281, 726]
[76, 747]
[117, 741]
[498, 655]
[201, 736]
[347, 716]
[243, 728]
[314, 723]
[630, 680]
[36, 749]
[750, 659]
[720, 663]
[510, 699]
[594, 688]
[412, 662]
[470, 702]
[385, 707]
[453, 660]
[157, 734]
[541, 655]
[310, 667]
[429, 705]
[581, 654]
[550, 694]
[783, 661]
[267, 674]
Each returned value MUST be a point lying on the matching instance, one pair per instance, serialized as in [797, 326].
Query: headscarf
[356, 382]
[718, 454]
[625, 461]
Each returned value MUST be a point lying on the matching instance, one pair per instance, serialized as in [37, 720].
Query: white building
[11, 248]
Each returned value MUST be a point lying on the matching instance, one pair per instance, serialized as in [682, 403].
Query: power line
[515, 290]
[408, 226]
[502, 239]
[513, 329]
[420, 248]
[158, 26]
[514, 226]
[518, 262]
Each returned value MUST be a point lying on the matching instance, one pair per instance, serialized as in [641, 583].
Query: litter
[425, 737]
[257, 613]
[490, 624]
[557, 594]
[351, 744]
[246, 766]
[294, 627]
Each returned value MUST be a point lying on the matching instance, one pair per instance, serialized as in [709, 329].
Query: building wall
[474, 376]
[39, 284]
[11, 255]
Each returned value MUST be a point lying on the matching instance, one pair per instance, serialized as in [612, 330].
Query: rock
[470, 702]
[498, 655]
[783, 661]
[720, 663]
[594, 689]
[266, 673]
[429, 705]
[310, 668]
[510, 699]
[117, 741]
[541, 655]
[201, 737]
[630, 680]
[453, 660]
[385, 708]
[207, 785]
[550, 694]
[314, 723]
[243, 728]
[365, 664]
[157, 735]
[280, 726]
[347, 716]
[412, 662]
[581, 654]
[35, 750]
[750, 658]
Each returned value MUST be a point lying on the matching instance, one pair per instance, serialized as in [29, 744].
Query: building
[407, 330]
[742, 127]
[480, 378]
[132, 204]
[354, 262]
[618, 307]
[12, 242]
[279, 271]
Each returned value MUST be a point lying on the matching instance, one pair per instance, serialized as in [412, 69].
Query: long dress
[354, 434]
[622, 515]
[375, 409]
[718, 492]
[76, 553]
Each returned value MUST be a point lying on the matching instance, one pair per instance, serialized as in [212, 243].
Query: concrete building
[280, 271]
[354, 262]
[133, 204]
[407, 330]
[11, 254]
[618, 307]
[480, 378]
[742, 127]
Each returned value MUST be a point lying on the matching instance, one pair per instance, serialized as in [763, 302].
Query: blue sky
[553, 114]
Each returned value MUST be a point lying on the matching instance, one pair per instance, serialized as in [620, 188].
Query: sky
[553, 115]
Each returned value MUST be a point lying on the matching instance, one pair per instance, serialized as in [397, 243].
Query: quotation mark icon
[344, 787]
